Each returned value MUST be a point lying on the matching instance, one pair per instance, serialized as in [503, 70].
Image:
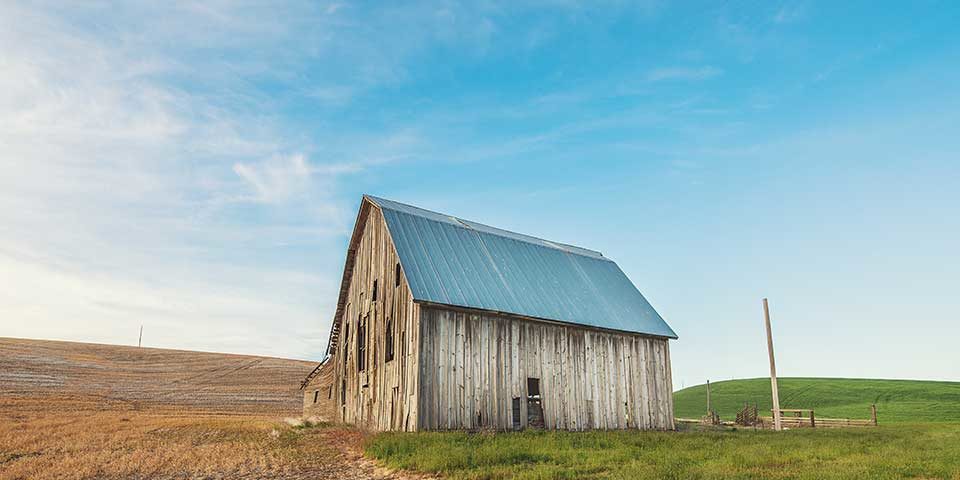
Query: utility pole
[709, 410]
[773, 369]
[140, 340]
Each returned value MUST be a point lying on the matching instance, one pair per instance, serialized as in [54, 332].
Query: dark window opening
[343, 392]
[373, 295]
[316, 395]
[533, 387]
[396, 277]
[346, 344]
[361, 347]
[516, 413]
[389, 355]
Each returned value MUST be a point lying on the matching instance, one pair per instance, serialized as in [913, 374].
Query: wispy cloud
[137, 176]
[332, 95]
[789, 13]
[682, 73]
[277, 179]
[179, 163]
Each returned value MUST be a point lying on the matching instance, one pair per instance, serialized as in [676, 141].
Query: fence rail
[818, 422]
[804, 417]
[789, 418]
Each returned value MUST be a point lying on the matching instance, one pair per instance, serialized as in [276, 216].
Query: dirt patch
[352, 464]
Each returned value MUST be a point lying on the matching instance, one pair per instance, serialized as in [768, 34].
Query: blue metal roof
[448, 260]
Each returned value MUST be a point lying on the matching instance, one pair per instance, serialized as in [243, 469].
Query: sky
[196, 168]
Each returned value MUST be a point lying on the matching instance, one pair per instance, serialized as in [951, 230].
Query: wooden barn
[443, 323]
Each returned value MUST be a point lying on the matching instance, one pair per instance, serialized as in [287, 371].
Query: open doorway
[534, 404]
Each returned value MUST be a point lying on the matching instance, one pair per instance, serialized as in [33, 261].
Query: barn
[443, 323]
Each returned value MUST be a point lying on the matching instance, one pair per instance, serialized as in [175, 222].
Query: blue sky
[197, 168]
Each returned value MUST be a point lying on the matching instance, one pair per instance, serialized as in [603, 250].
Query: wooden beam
[773, 369]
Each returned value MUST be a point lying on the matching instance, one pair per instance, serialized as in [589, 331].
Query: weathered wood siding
[473, 366]
[383, 396]
[318, 399]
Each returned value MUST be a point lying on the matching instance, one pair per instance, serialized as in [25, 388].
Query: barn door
[534, 405]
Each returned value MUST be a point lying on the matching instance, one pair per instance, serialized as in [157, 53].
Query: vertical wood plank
[588, 378]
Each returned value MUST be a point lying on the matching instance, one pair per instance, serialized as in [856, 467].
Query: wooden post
[813, 421]
[709, 410]
[873, 414]
[140, 340]
[773, 369]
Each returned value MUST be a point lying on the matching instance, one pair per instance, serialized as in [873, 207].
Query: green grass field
[903, 451]
[897, 401]
[918, 437]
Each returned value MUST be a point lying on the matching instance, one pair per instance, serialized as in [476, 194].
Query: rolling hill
[897, 401]
[53, 374]
[79, 411]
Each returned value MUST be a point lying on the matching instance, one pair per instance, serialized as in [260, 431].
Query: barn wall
[473, 366]
[383, 396]
[318, 396]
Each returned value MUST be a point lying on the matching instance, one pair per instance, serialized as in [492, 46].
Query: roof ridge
[469, 224]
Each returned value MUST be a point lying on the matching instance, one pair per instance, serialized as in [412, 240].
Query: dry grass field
[120, 377]
[85, 411]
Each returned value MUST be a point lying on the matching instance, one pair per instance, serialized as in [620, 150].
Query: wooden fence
[790, 418]
[802, 417]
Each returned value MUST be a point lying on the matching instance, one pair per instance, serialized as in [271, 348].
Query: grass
[898, 401]
[902, 451]
[916, 439]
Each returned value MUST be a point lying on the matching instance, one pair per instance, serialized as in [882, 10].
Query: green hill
[896, 400]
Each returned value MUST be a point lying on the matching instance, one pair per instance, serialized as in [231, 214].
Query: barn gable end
[373, 343]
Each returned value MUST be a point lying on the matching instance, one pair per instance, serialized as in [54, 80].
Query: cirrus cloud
[682, 73]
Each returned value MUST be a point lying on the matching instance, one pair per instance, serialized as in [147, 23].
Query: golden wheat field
[86, 411]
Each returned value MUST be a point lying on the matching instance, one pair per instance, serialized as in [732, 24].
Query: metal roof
[452, 261]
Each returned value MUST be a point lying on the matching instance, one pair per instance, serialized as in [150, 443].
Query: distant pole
[773, 369]
[708, 398]
[140, 340]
